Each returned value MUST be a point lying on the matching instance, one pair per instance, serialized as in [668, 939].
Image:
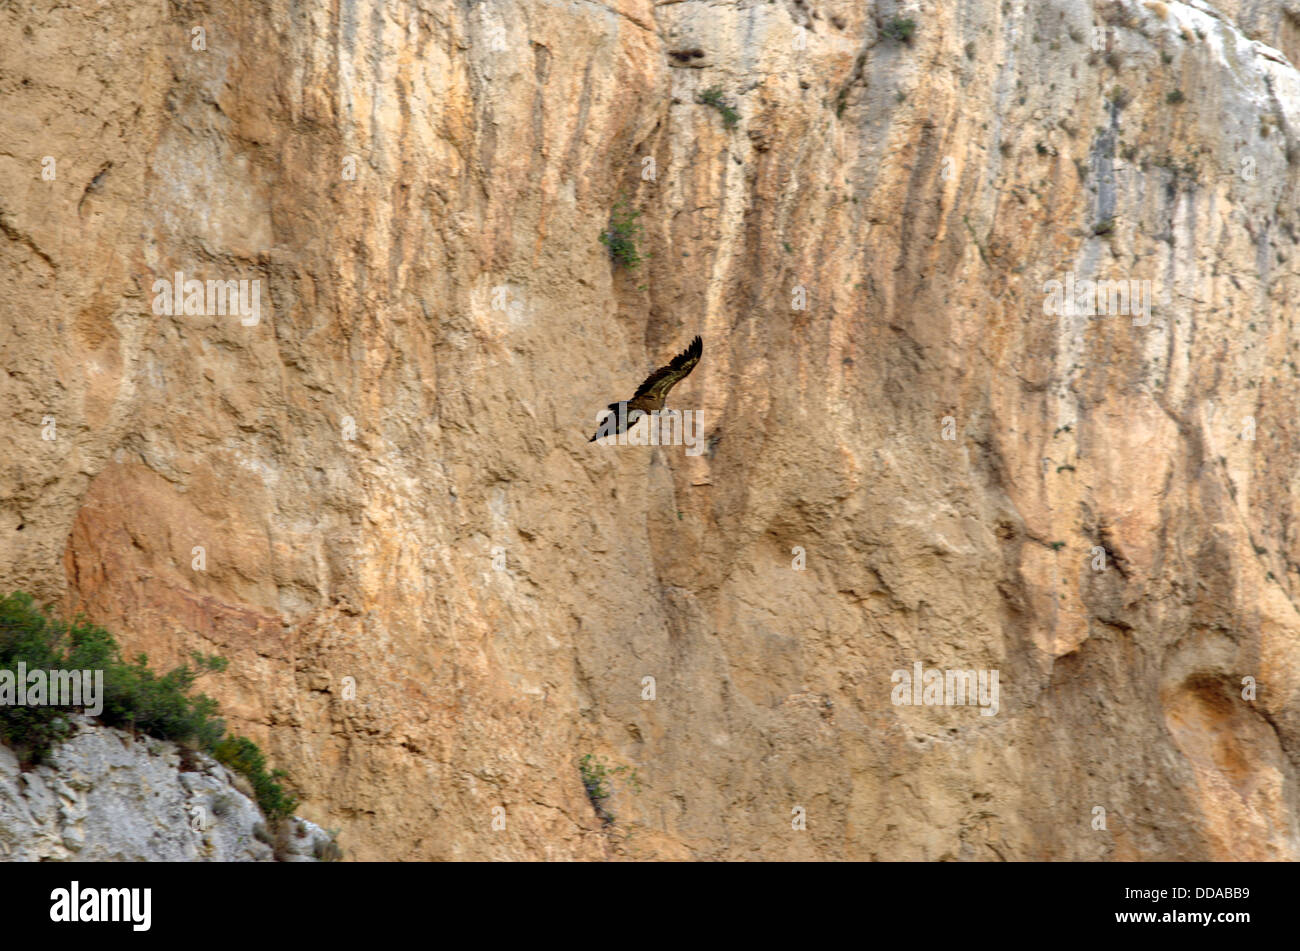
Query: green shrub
[900, 28]
[26, 636]
[135, 697]
[713, 97]
[596, 776]
[242, 755]
[622, 234]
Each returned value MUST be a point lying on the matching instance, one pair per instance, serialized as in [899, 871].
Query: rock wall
[419, 187]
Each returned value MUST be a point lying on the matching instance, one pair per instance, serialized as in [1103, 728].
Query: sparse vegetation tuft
[622, 234]
[899, 28]
[713, 97]
[596, 776]
[242, 755]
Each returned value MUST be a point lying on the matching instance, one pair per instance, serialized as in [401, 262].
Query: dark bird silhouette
[650, 395]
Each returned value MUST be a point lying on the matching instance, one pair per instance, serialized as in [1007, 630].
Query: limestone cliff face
[106, 796]
[420, 187]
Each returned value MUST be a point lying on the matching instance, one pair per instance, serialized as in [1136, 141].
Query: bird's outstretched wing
[658, 384]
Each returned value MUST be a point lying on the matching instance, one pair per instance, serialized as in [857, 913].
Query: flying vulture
[650, 395]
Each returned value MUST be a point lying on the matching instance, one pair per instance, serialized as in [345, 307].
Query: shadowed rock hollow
[420, 188]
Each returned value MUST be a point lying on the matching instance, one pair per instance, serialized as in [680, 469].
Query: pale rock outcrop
[104, 796]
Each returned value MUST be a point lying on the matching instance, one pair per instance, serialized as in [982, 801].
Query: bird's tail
[604, 430]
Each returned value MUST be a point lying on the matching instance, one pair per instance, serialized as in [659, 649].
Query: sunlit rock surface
[328, 492]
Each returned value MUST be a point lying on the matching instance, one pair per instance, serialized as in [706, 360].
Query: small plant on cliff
[596, 776]
[621, 235]
[242, 755]
[134, 697]
[713, 97]
[899, 28]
